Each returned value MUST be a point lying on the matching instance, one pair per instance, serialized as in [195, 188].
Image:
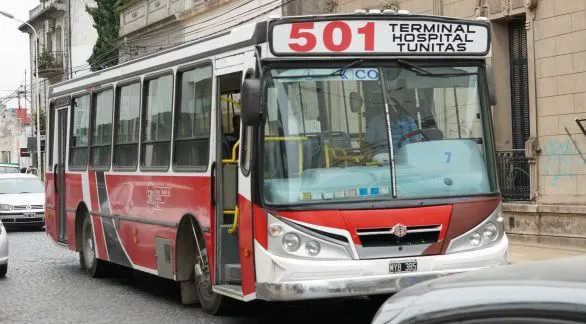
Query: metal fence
[513, 175]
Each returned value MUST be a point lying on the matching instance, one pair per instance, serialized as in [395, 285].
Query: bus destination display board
[379, 37]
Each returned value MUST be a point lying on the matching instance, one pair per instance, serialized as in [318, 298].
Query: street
[46, 285]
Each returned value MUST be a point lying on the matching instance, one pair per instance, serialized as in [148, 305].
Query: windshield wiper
[341, 70]
[25, 192]
[423, 72]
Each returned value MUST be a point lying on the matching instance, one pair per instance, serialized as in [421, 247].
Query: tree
[106, 18]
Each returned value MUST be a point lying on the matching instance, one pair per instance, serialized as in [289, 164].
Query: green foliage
[106, 18]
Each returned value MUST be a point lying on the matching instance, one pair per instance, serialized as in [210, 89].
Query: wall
[145, 29]
[10, 136]
[83, 34]
[560, 53]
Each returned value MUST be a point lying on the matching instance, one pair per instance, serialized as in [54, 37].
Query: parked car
[3, 251]
[544, 292]
[22, 199]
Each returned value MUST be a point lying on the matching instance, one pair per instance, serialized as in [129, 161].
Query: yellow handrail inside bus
[234, 212]
[234, 158]
[230, 100]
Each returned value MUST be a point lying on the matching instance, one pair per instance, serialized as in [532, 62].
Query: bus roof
[277, 32]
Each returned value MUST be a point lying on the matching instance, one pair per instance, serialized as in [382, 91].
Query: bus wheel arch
[80, 213]
[190, 245]
[186, 245]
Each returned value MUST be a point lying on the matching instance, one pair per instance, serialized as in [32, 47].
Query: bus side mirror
[252, 112]
[491, 90]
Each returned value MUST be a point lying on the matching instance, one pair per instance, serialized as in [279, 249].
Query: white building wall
[229, 16]
[83, 35]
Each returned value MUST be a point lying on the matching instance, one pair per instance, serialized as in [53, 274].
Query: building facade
[66, 40]
[15, 128]
[148, 26]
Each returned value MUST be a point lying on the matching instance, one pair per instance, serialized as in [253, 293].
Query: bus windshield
[375, 133]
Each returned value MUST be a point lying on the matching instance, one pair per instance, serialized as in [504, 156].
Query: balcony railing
[513, 175]
[44, 5]
[50, 64]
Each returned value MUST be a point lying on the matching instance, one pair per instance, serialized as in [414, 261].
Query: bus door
[61, 126]
[227, 261]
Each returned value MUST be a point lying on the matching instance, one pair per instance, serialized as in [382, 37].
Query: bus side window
[192, 118]
[126, 123]
[157, 121]
[101, 130]
[78, 156]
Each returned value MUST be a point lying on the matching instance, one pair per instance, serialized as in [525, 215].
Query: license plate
[29, 214]
[403, 266]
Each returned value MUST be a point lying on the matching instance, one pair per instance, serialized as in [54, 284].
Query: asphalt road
[46, 285]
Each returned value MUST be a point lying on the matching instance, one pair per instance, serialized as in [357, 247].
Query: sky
[14, 49]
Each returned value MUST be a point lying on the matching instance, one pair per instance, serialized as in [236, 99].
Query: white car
[22, 200]
[3, 251]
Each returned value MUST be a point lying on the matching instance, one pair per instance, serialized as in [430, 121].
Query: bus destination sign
[379, 37]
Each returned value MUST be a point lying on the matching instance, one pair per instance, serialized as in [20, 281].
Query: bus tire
[211, 302]
[3, 270]
[87, 257]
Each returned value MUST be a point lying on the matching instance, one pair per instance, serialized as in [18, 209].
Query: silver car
[3, 251]
[22, 200]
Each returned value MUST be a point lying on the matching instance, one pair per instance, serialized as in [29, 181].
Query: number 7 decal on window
[448, 156]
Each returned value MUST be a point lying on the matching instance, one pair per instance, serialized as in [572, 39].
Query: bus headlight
[490, 232]
[312, 248]
[475, 239]
[486, 234]
[4, 207]
[291, 240]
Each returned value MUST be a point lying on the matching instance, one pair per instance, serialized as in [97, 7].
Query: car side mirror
[252, 112]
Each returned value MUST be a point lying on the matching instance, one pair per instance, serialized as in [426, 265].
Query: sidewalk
[523, 252]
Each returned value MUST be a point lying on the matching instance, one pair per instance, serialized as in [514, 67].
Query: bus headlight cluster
[484, 235]
[289, 240]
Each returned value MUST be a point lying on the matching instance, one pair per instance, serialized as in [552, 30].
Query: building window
[102, 129]
[78, 155]
[513, 166]
[157, 122]
[127, 126]
[192, 119]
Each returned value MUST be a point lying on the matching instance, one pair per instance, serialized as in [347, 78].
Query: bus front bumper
[372, 280]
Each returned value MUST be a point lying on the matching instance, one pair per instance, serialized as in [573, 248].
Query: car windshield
[21, 185]
[9, 169]
[327, 134]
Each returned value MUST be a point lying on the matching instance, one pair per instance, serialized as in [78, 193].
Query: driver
[403, 128]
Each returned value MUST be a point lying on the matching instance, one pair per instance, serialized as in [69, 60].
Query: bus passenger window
[192, 118]
[78, 157]
[127, 126]
[101, 129]
[157, 123]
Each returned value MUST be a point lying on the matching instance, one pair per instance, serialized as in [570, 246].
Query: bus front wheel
[210, 301]
[88, 257]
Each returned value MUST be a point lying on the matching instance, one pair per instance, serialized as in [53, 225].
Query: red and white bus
[294, 158]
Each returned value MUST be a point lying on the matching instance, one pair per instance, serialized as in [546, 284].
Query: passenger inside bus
[403, 126]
